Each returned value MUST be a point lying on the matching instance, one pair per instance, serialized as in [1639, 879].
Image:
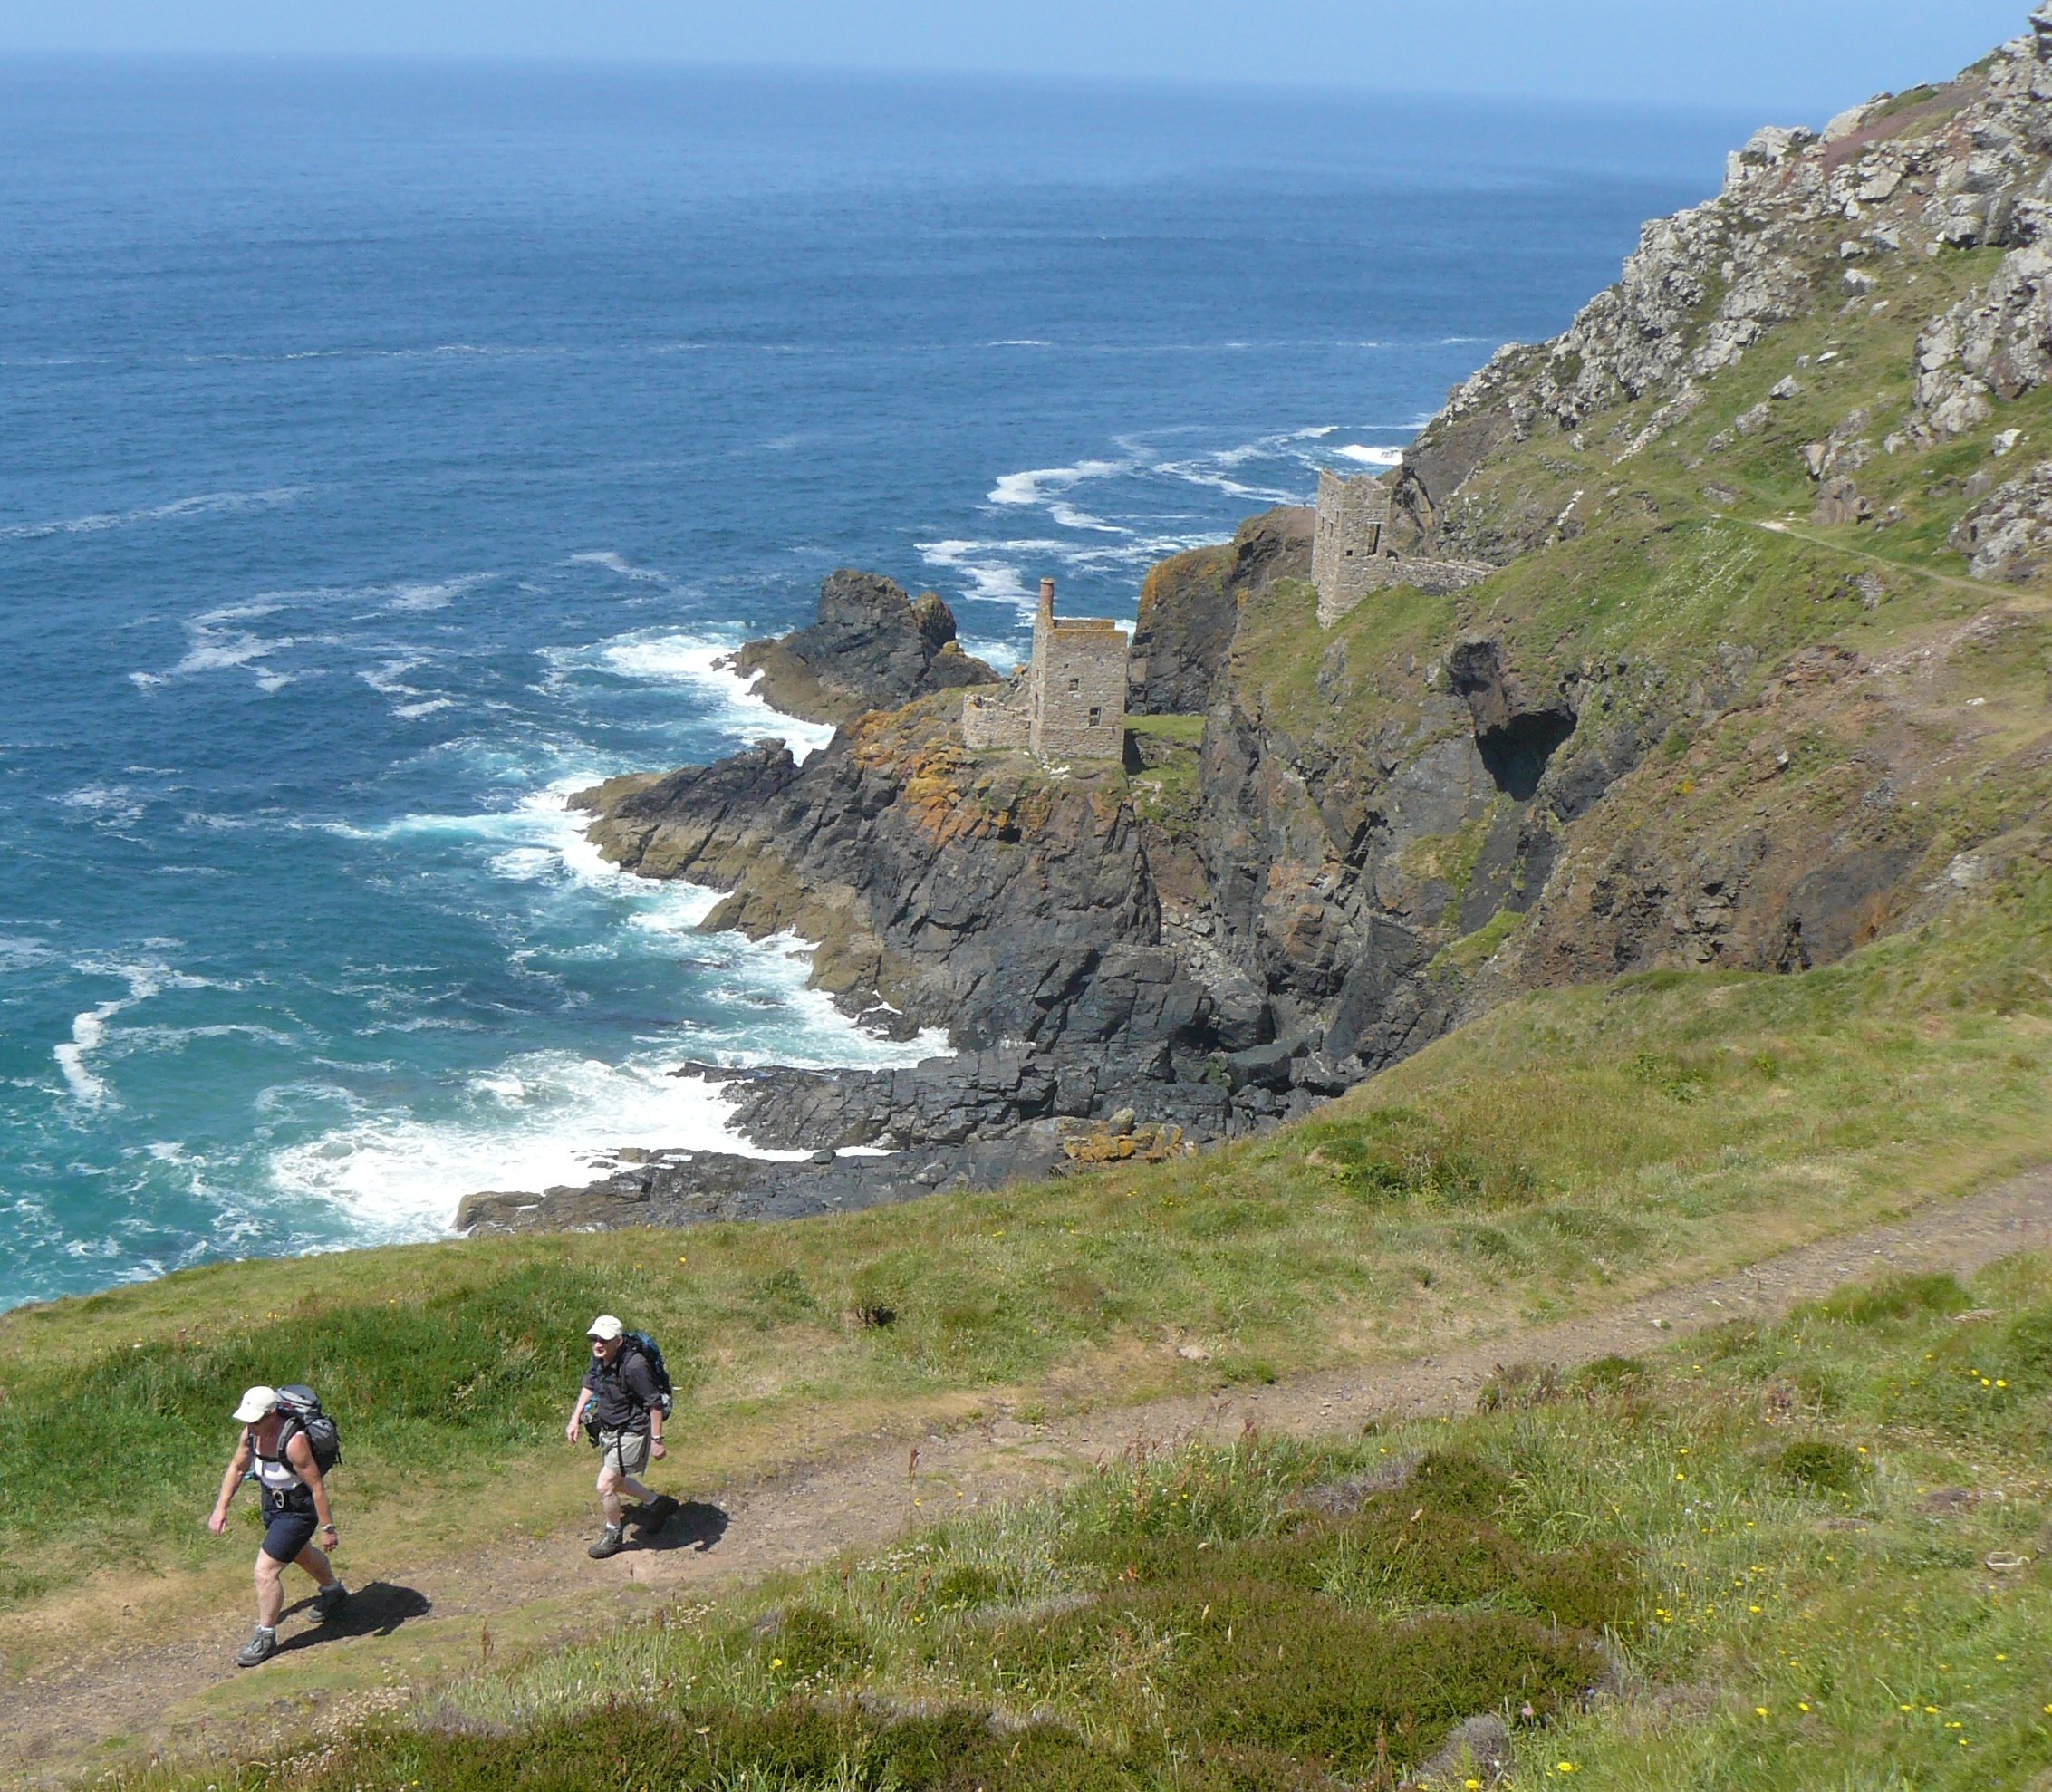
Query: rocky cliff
[872, 648]
[1190, 609]
[1762, 678]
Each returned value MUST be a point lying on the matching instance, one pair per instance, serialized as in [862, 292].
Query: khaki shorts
[627, 1451]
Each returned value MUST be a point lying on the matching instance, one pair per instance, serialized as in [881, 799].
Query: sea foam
[544, 1118]
[727, 700]
[90, 1026]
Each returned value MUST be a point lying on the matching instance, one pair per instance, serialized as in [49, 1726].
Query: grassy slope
[1683, 589]
[1735, 1543]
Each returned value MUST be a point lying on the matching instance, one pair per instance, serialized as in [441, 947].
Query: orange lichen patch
[1145, 1145]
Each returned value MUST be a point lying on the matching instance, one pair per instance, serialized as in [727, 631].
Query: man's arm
[642, 1382]
[308, 1467]
[577, 1412]
[238, 1466]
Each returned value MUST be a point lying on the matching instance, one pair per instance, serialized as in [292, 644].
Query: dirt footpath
[97, 1709]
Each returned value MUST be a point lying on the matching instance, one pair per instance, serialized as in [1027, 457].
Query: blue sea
[387, 450]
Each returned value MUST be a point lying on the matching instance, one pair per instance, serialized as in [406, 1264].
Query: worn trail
[158, 1696]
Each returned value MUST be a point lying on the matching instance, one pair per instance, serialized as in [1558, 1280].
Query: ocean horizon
[387, 450]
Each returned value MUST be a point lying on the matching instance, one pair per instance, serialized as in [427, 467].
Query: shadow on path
[376, 1609]
[695, 1525]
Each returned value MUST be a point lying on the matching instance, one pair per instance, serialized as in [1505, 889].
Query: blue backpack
[651, 1354]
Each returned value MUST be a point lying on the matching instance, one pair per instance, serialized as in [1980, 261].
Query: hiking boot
[611, 1541]
[331, 1599]
[659, 1512]
[262, 1645]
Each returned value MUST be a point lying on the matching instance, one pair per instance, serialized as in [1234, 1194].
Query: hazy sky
[1798, 58]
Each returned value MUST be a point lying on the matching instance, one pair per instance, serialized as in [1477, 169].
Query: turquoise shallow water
[385, 451]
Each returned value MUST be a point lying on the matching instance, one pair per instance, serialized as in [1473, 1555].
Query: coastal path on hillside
[1773, 527]
[101, 1703]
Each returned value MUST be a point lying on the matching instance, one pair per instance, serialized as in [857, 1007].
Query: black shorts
[286, 1532]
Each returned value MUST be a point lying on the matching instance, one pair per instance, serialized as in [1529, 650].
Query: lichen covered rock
[2008, 536]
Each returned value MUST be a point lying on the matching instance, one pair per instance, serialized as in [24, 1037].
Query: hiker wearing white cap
[276, 1450]
[625, 1399]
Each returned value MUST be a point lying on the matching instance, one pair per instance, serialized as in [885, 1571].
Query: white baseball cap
[257, 1403]
[605, 1328]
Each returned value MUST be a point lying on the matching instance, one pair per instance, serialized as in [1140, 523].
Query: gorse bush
[1821, 1464]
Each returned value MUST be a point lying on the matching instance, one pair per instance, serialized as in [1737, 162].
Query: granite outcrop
[1189, 608]
[872, 646]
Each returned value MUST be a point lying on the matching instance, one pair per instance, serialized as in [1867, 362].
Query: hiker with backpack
[623, 1403]
[288, 1446]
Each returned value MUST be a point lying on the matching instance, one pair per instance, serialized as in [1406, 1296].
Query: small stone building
[1347, 551]
[1352, 555]
[1068, 702]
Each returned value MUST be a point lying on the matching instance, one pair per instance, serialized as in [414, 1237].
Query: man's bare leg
[270, 1590]
[315, 1562]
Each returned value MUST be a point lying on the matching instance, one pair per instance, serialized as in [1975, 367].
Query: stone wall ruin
[1351, 555]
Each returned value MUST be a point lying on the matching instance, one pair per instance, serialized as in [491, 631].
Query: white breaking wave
[89, 1027]
[388, 680]
[1000, 656]
[215, 649]
[205, 503]
[112, 805]
[1370, 457]
[612, 563]
[18, 954]
[411, 600]
[221, 642]
[537, 1121]
[726, 700]
[552, 1117]
[996, 570]
[1009, 571]
[1044, 486]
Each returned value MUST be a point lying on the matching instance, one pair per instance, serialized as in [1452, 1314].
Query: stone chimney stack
[1047, 585]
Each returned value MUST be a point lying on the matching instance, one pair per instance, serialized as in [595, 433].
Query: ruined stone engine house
[1068, 702]
[1352, 555]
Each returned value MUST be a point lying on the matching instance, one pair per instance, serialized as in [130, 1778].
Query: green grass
[1724, 1564]
[1568, 1146]
[1181, 730]
[1168, 790]
[1463, 955]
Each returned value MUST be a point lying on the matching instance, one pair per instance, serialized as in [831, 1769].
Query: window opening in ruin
[1096, 716]
[1076, 684]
